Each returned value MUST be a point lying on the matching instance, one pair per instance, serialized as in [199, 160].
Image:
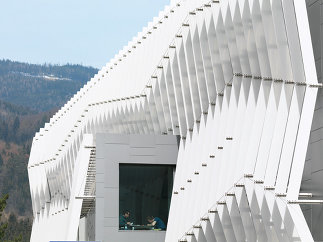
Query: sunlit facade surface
[236, 81]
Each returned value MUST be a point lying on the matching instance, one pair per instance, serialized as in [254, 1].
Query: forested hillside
[41, 87]
[17, 127]
[29, 96]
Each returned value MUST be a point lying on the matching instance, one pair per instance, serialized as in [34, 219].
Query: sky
[87, 32]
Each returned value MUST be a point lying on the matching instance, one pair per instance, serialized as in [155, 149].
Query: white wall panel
[236, 80]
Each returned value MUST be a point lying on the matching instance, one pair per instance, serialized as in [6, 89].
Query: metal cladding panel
[151, 151]
[236, 80]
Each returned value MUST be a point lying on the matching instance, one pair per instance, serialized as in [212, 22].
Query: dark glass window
[144, 190]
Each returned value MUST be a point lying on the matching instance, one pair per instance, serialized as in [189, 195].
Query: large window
[144, 190]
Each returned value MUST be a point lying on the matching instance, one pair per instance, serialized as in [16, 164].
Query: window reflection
[144, 196]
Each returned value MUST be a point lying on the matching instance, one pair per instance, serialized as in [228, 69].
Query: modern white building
[226, 91]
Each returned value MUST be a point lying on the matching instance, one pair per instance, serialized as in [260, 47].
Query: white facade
[112, 150]
[236, 80]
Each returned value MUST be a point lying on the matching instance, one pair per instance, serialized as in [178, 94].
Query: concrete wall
[111, 150]
[312, 180]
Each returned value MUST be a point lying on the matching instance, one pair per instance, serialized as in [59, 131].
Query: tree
[12, 220]
[16, 125]
[4, 131]
[3, 204]
[17, 239]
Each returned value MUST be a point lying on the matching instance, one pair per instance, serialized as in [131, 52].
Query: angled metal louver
[236, 80]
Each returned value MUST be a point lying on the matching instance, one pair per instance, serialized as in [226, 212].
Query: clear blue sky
[88, 32]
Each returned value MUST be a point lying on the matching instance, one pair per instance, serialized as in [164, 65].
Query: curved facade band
[236, 81]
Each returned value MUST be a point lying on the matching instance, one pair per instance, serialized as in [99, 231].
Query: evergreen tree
[3, 226]
[12, 222]
[16, 125]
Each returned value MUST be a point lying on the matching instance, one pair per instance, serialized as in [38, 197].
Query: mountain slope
[41, 87]
[17, 127]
